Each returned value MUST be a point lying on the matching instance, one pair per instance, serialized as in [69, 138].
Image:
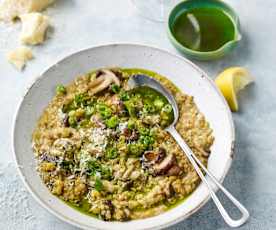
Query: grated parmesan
[98, 140]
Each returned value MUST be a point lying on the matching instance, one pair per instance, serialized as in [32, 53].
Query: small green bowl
[210, 55]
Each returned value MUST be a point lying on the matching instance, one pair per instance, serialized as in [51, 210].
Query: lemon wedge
[230, 82]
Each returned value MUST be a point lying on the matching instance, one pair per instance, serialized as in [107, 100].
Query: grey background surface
[81, 24]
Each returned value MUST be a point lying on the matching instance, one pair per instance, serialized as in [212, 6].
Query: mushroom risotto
[102, 148]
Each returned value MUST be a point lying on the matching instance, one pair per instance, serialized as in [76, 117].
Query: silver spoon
[143, 80]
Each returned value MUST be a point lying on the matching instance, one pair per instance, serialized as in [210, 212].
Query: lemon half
[230, 82]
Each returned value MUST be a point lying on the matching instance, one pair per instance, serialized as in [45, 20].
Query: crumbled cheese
[19, 57]
[98, 136]
[98, 174]
[11, 9]
[34, 27]
[84, 158]
[98, 140]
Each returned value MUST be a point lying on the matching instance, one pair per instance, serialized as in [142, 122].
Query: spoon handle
[196, 163]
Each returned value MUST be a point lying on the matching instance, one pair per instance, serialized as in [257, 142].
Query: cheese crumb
[19, 57]
[11, 9]
[34, 27]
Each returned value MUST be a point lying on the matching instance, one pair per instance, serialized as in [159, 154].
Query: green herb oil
[203, 29]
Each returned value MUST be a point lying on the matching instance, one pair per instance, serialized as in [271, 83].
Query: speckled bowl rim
[83, 226]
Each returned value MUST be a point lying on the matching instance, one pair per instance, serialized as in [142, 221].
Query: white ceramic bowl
[182, 72]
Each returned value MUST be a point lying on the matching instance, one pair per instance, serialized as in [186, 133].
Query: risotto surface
[103, 149]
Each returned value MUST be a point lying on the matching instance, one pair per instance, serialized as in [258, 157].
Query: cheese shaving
[19, 57]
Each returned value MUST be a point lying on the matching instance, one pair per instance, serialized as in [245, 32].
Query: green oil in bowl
[203, 29]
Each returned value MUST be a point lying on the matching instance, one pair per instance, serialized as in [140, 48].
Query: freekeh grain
[73, 160]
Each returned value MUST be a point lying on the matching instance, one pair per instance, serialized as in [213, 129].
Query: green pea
[130, 108]
[143, 131]
[131, 124]
[167, 108]
[136, 149]
[81, 99]
[146, 140]
[111, 153]
[124, 96]
[115, 88]
[158, 103]
[112, 122]
[104, 111]
[72, 121]
[89, 110]
[149, 108]
[72, 113]
[60, 89]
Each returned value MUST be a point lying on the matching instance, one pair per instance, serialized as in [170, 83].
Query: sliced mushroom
[100, 87]
[157, 163]
[158, 156]
[130, 135]
[112, 76]
[104, 80]
[165, 165]
[127, 185]
[150, 158]
[97, 81]
[174, 170]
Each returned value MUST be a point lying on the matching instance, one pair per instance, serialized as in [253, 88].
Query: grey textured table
[81, 24]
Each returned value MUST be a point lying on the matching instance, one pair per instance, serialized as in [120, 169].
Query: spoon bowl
[140, 80]
[143, 80]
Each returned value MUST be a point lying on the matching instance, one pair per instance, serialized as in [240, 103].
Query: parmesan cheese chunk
[19, 57]
[34, 27]
[11, 9]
